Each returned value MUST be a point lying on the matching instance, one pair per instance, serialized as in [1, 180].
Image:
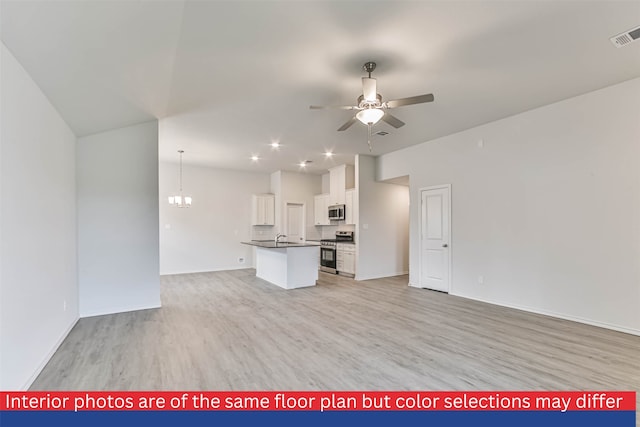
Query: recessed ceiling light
[275, 144]
[328, 154]
[303, 164]
[255, 158]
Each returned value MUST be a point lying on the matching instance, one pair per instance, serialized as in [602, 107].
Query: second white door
[435, 236]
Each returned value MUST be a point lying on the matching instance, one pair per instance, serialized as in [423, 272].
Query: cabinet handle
[445, 246]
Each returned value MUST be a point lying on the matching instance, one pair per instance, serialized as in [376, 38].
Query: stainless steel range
[328, 250]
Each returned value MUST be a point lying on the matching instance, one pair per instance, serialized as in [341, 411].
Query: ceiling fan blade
[369, 89]
[409, 101]
[339, 107]
[348, 124]
[392, 120]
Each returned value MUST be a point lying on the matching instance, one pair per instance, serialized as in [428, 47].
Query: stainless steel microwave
[336, 212]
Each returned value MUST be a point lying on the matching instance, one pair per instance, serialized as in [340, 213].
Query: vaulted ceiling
[227, 78]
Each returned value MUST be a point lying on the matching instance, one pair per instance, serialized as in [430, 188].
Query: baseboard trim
[208, 271]
[397, 273]
[556, 315]
[49, 355]
[562, 316]
[119, 310]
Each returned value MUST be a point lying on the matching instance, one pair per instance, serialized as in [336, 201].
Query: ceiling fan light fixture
[370, 115]
[370, 108]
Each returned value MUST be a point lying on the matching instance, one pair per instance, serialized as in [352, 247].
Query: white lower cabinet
[349, 263]
[346, 258]
[339, 260]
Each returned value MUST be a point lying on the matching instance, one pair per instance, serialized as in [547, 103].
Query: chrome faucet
[278, 236]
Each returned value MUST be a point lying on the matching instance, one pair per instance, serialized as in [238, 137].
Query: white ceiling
[227, 78]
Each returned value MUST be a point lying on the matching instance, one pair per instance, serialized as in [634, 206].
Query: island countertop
[287, 264]
[270, 244]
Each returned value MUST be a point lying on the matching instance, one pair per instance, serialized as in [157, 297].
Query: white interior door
[435, 238]
[295, 222]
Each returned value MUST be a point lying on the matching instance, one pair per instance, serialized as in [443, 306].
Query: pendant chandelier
[180, 200]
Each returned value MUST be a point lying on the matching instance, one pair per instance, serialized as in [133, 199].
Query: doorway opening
[399, 226]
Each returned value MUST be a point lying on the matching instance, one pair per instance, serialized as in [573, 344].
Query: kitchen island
[285, 264]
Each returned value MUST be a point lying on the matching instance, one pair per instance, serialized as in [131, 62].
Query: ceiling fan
[371, 108]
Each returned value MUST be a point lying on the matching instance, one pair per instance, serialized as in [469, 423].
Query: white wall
[548, 212]
[207, 236]
[382, 233]
[38, 280]
[118, 255]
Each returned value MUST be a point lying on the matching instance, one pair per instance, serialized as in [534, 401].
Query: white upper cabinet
[264, 206]
[340, 178]
[337, 184]
[350, 207]
[321, 209]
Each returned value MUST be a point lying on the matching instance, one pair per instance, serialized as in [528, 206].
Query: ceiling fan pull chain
[369, 125]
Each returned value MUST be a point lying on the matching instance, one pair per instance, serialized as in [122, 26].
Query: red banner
[561, 401]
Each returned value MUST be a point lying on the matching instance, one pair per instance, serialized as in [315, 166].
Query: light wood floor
[230, 330]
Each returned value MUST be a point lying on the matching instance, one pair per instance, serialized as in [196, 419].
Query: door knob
[445, 245]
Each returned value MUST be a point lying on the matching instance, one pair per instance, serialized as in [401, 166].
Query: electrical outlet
[240, 260]
[481, 280]
[64, 305]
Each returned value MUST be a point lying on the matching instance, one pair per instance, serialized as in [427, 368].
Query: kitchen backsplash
[269, 233]
[329, 231]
